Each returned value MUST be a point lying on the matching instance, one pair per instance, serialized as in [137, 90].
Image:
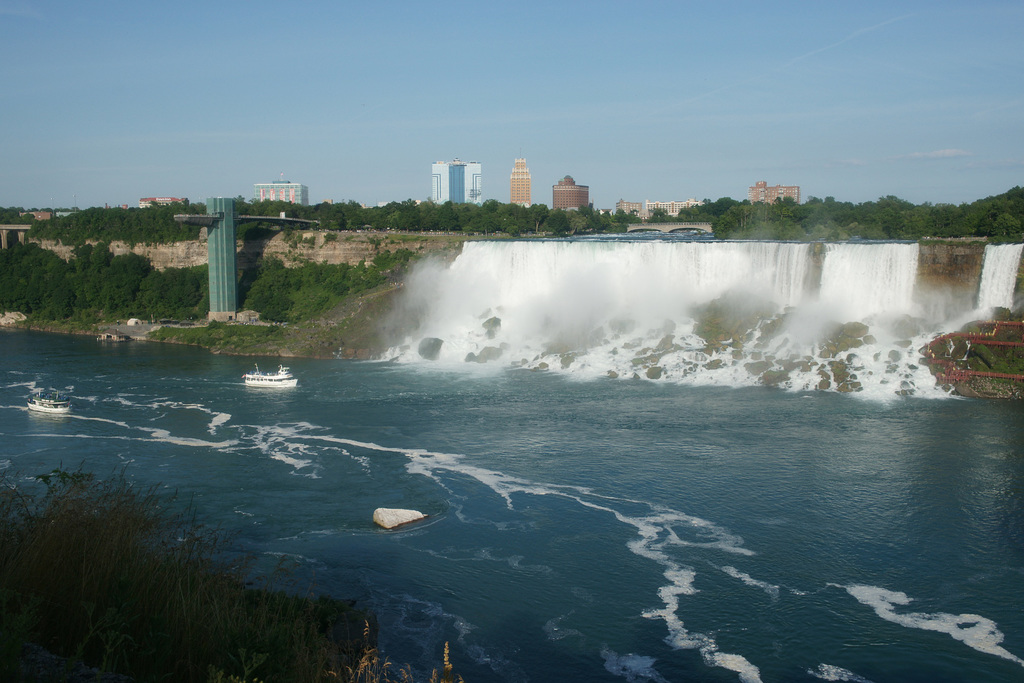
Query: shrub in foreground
[102, 572]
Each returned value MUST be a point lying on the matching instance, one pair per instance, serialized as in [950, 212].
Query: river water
[580, 528]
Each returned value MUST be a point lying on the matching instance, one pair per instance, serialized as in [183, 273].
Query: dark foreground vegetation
[1000, 217]
[104, 573]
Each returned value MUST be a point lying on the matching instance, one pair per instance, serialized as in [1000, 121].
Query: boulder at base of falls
[492, 326]
[430, 348]
[486, 355]
[389, 518]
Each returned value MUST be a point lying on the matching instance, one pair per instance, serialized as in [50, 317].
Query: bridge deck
[669, 227]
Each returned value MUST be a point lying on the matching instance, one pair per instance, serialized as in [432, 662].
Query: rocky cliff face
[312, 246]
[951, 270]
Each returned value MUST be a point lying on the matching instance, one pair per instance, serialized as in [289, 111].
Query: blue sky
[108, 101]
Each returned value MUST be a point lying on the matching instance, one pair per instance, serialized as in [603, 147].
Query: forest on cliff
[97, 286]
[998, 218]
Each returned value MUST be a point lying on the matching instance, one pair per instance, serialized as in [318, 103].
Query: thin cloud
[997, 164]
[936, 154]
[856, 34]
[731, 86]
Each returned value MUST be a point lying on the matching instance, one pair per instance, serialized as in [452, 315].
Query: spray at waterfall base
[847, 317]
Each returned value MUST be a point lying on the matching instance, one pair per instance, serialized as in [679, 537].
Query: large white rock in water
[389, 518]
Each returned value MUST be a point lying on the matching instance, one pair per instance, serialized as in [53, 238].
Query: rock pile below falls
[736, 340]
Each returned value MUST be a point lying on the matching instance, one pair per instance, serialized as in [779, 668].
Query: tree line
[94, 285]
[1000, 217]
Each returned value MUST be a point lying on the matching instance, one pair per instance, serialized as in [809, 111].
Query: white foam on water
[554, 631]
[86, 418]
[973, 630]
[662, 529]
[286, 443]
[164, 436]
[154, 435]
[748, 580]
[218, 420]
[634, 668]
[827, 672]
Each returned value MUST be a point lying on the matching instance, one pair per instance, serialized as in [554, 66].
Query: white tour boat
[53, 402]
[282, 378]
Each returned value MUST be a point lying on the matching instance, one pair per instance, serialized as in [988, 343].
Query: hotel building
[566, 194]
[670, 208]
[281, 191]
[646, 208]
[146, 202]
[761, 192]
[635, 208]
[456, 181]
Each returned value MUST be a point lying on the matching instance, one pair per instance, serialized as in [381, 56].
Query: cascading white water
[999, 275]
[731, 313]
[560, 292]
[863, 280]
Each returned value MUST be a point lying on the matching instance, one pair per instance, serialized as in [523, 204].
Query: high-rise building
[519, 186]
[761, 192]
[566, 194]
[281, 191]
[456, 181]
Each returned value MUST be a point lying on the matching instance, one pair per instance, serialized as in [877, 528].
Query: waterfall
[862, 280]
[700, 312]
[999, 275]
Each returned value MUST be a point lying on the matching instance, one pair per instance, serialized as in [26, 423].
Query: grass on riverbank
[225, 337]
[103, 573]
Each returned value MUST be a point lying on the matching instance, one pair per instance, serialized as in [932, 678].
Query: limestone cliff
[303, 247]
[951, 269]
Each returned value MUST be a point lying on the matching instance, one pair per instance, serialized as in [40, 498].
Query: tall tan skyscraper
[520, 184]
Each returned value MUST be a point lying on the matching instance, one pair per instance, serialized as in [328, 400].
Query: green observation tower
[220, 254]
[220, 220]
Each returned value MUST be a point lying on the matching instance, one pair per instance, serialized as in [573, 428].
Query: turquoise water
[579, 529]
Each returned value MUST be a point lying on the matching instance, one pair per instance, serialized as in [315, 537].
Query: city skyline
[107, 105]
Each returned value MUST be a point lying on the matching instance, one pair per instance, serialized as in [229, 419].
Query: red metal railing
[950, 373]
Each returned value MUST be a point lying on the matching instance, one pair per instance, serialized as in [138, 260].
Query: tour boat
[282, 378]
[50, 402]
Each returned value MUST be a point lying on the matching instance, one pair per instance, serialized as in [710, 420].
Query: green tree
[538, 214]
[558, 222]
